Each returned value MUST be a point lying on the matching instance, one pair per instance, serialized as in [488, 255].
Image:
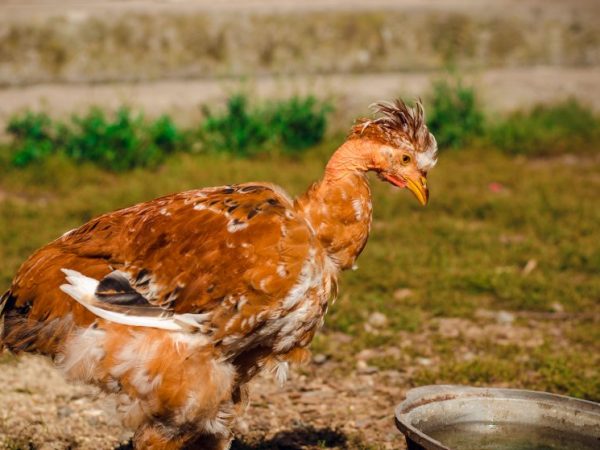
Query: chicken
[175, 304]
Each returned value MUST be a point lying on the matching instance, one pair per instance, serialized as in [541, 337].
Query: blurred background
[104, 104]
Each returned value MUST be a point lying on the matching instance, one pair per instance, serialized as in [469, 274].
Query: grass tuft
[32, 135]
[547, 130]
[457, 120]
[119, 142]
[454, 115]
[125, 140]
[238, 130]
[299, 123]
[294, 125]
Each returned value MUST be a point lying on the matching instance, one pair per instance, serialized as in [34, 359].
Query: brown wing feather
[232, 251]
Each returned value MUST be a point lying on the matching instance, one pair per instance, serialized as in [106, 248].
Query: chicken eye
[406, 159]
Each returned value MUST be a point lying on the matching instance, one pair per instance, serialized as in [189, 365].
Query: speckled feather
[233, 252]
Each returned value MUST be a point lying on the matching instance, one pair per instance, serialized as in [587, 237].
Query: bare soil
[41, 410]
[325, 404]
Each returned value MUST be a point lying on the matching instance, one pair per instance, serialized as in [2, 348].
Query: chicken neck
[339, 205]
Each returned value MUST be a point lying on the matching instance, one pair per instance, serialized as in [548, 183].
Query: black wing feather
[116, 293]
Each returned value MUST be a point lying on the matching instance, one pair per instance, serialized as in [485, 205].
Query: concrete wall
[133, 41]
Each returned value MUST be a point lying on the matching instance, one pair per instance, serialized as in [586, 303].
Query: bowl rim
[445, 392]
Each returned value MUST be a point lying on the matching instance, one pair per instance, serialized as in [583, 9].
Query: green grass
[454, 114]
[489, 215]
[243, 128]
[299, 123]
[547, 130]
[457, 119]
[117, 142]
[559, 367]
[238, 130]
[125, 140]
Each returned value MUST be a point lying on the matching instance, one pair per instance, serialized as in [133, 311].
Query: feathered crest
[397, 125]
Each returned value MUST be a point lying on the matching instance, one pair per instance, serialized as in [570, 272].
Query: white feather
[427, 159]
[82, 289]
[80, 286]
[191, 320]
[281, 370]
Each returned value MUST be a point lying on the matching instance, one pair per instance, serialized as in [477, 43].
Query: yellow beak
[419, 188]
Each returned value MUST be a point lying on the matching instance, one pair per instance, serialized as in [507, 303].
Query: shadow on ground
[295, 439]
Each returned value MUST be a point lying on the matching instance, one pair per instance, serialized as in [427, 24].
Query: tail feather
[3, 301]
[4, 307]
[83, 290]
[80, 287]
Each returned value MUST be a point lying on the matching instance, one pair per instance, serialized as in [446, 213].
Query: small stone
[94, 416]
[481, 313]
[468, 356]
[125, 436]
[424, 361]
[378, 320]
[93, 412]
[505, 317]
[501, 317]
[319, 358]
[529, 267]
[402, 293]
[557, 307]
[364, 368]
[389, 437]
[449, 327]
[366, 354]
[392, 373]
[341, 338]
[361, 423]
[64, 411]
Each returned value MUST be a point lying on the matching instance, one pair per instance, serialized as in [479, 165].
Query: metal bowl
[460, 417]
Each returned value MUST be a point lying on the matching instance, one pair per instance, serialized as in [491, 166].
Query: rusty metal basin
[447, 417]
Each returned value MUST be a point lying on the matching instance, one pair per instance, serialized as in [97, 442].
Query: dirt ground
[41, 410]
[325, 404]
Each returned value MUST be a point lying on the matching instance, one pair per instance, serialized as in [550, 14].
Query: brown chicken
[175, 304]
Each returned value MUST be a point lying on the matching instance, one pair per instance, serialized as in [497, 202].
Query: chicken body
[245, 259]
[175, 304]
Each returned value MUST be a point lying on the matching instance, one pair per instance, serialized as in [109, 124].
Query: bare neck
[339, 205]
